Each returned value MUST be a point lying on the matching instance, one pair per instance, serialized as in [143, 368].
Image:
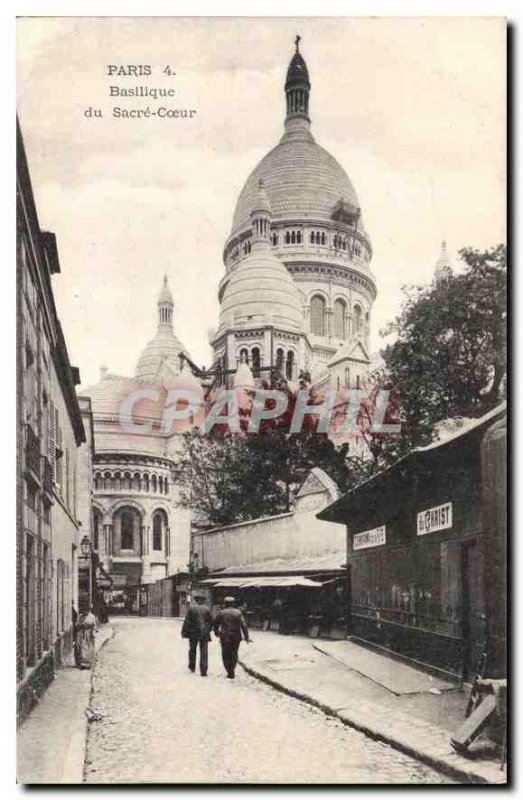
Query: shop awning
[260, 582]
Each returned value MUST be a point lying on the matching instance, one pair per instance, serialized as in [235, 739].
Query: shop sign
[435, 519]
[372, 538]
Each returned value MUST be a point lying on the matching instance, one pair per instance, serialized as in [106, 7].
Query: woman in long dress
[84, 642]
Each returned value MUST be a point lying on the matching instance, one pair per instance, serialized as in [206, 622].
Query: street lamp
[85, 546]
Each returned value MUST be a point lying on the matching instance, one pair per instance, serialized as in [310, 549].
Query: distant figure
[197, 627]
[84, 638]
[229, 625]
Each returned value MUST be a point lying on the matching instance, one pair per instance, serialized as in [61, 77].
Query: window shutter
[51, 440]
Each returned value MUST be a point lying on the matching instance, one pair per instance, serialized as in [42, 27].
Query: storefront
[416, 553]
[309, 597]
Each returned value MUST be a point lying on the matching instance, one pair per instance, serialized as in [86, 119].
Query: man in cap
[229, 625]
[197, 627]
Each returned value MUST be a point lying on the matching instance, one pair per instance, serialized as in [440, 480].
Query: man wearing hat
[197, 627]
[229, 625]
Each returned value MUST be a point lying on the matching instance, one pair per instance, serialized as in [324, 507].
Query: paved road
[160, 723]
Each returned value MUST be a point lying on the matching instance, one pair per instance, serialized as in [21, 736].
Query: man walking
[229, 624]
[197, 627]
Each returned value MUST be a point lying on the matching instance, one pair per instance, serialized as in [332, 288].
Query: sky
[412, 108]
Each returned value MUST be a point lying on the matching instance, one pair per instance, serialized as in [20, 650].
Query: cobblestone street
[160, 723]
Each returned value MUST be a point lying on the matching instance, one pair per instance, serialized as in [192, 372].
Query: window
[45, 594]
[60, 596]
[323, 237]
[127, 523]
[279, 359]
[298, 237]
[30, 599]
[157, 531]
[318, 315]
[256, 362]
[274, 239]
[347, 377]
[339, 319]
[287, 237]
[154, 484]
[244, 356]
[289, 366]
[357, 319]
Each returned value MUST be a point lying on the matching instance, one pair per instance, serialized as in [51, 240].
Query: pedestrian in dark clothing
[229, 625]
[197, 627]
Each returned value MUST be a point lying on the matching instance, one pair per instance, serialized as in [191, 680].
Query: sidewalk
[385, 699]
[51, 741]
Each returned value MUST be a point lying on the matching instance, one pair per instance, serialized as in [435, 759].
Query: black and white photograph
[261, 401]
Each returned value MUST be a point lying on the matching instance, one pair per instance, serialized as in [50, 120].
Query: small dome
[165, 347]
[297, 73]
[260, 290]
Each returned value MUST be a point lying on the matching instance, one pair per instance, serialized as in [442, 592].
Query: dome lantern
[297, 86]
[165, 305]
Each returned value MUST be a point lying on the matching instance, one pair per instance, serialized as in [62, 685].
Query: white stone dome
[261, 290]
[165, 347]
[302, 180]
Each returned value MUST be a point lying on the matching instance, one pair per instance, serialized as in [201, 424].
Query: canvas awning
[260, 582]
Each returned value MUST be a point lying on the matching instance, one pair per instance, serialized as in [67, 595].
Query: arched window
[347, 377]
[97, 528]
[97, 482]
[323, 237]
[279, 359]
[159, 526]
[117, 481]
[339, 319]
[126, 482]
[274, 239]
[318, 315]
[107, 481]
[127, 519]
[357, 319]
[293, 237]
[146, 482]
[166, 486]
[154, 484]
[289, 365]
[255, 352]
[298, 237]
[244, 356]
[287, 237]
[160, 484]
[312, 237]
[137, 482]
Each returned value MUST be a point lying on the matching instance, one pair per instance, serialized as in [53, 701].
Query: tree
[232, 477]
[449, 356]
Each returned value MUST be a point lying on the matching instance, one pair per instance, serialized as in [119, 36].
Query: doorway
[473, 618]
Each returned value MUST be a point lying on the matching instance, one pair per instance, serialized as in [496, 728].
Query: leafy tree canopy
[449, 356]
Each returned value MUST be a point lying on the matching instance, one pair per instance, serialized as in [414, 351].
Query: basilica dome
[302, 181]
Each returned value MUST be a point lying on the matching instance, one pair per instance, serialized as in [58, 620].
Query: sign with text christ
[434, 519]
